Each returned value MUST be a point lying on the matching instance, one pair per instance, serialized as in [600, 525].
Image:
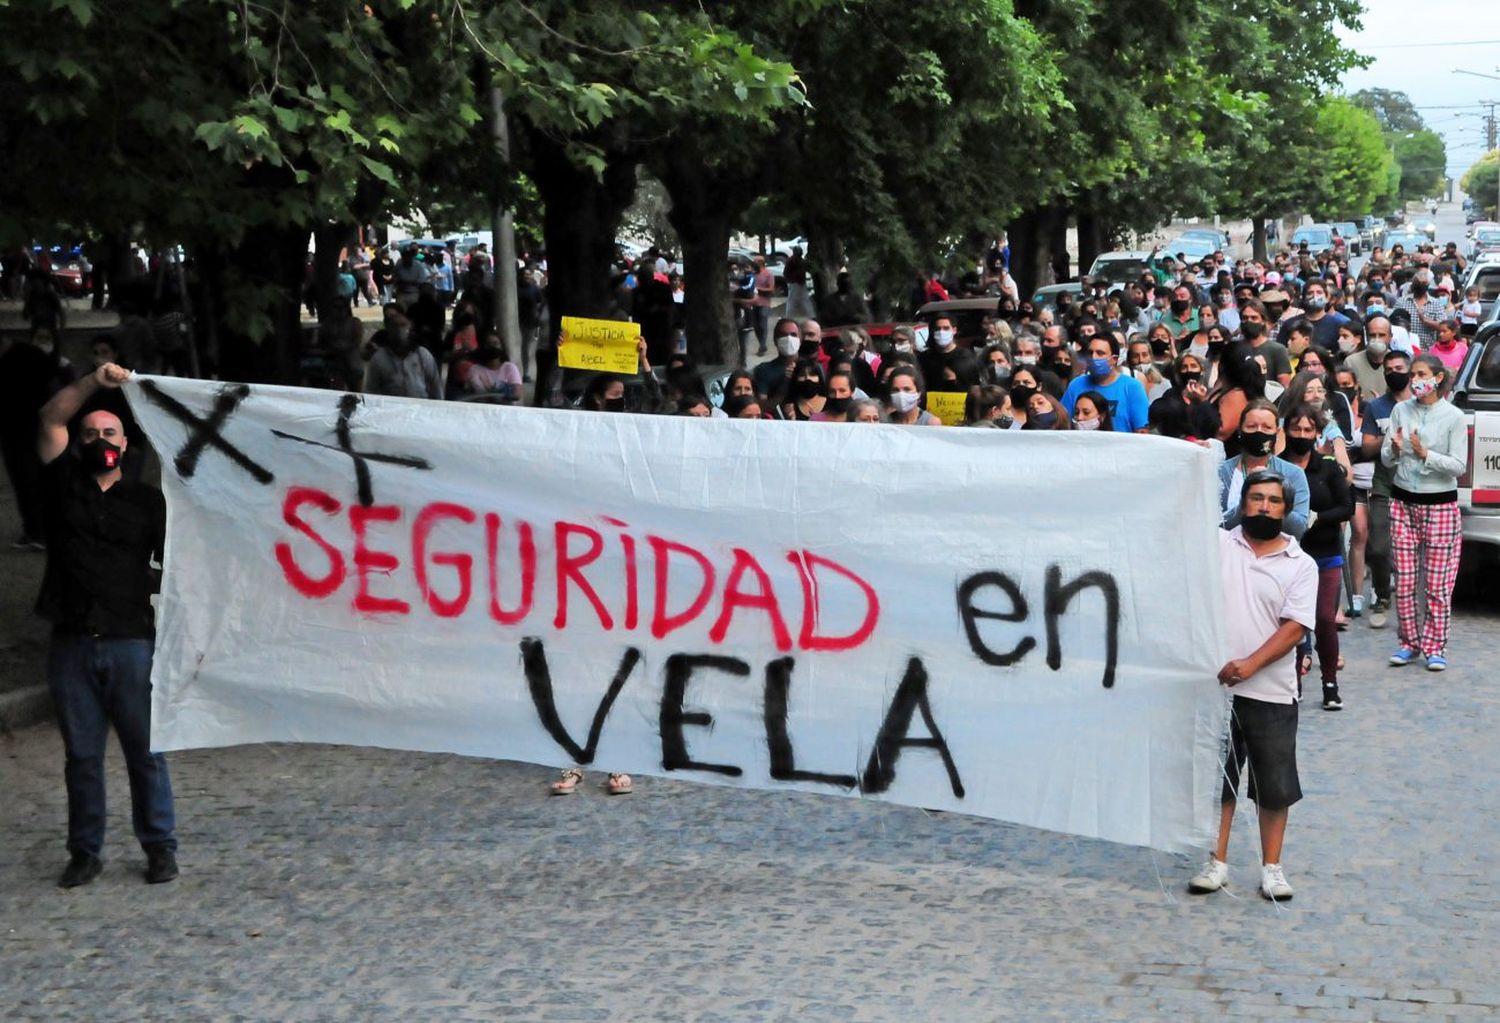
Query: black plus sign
[361, 459]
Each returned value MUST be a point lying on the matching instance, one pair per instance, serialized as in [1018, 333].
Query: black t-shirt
[99, 579]
[1328, 495]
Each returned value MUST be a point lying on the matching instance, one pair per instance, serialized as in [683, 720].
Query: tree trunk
[1258, 238]
[258, 284]
[706, 198]
[1033, 239]
[825, 254]
[581, 214]
[1020, 233]
[332, 239]
[1091, 234]
[1062, 268]
[506, 312]
[710, 328]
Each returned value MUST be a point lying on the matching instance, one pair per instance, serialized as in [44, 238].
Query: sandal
[618, 785]
[568, 783]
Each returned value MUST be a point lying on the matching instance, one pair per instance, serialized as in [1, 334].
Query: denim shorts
[1265, 734]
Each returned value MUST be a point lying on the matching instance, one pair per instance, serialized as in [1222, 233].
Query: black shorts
[1265, 734]
[1361, 495]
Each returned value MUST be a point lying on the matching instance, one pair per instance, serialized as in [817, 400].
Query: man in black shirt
[102, 532]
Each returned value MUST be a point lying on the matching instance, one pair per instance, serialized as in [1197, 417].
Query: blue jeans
[96, 683]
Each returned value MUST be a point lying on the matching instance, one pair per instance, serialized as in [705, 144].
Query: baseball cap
[1273, 278]
[1273, 295]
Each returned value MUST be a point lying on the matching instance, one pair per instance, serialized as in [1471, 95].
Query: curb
[25, 707]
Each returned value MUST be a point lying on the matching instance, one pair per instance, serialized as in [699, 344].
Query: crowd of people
[1323, 392]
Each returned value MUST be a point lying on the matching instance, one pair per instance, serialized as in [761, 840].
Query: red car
[71, 280]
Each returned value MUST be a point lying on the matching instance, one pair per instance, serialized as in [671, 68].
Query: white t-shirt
[1259, 594]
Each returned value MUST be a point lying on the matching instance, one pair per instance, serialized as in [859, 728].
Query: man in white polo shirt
[1270, 597]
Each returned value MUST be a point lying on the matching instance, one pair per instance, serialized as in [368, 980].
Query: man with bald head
[103, 531]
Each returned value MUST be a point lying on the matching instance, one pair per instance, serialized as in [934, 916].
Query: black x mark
[347, 404]
[206, 430]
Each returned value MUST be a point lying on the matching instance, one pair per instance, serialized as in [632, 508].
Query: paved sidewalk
[326, 883]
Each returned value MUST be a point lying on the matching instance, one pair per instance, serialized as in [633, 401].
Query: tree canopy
[1482, 182]
[894, 136]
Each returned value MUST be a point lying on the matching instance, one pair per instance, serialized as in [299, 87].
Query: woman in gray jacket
[1427, 447]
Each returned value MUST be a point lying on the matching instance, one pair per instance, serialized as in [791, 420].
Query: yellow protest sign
[947, 406]
[607, 346]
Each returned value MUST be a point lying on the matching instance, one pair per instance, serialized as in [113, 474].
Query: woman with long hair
[1331, 499]
[1045, 412]
[1024, 382]
[1241, 381]
[904, 397]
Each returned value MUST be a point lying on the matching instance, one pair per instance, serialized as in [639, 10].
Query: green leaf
[379, 169]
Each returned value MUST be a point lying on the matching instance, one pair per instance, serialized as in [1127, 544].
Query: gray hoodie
[1445, 434]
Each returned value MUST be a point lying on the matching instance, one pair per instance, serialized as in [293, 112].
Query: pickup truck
[1476, 391]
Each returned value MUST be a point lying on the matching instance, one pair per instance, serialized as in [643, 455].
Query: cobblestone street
[325, 883]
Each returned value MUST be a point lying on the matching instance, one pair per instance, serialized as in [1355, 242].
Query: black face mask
[1299, 446]
[100, 456]
[1180, 305]
[804, 389]
[1160, 347]
[836, 406]
[1397, 382]
[1251, 331]
[614, 404]
[1042, 420]
[1262, 527]
[1021, 394]
[1257, 444]
[1189, 376]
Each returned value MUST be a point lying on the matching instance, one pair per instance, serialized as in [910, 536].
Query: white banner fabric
[1022, 626]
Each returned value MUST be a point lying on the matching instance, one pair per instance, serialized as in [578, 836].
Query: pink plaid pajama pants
[1426, 537]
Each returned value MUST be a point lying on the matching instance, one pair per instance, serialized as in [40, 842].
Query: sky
[1416, 46]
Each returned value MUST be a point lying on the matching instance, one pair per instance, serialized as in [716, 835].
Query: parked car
[1047, 296]
[72, 279]
[968, 315]
[1484, 274]
[1484, 241]
[1349, 231]
[1317, 236]
[1219, 238]
[1119, 268]
[1405, 237]
[1192, 247]
[1476, 391]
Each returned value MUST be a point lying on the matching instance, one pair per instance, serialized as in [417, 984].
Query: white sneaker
[1213, 876]
[1273, 883]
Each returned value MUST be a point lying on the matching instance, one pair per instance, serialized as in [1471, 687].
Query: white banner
[1021, 626]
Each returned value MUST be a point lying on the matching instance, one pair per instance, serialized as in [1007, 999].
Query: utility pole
[507, 319]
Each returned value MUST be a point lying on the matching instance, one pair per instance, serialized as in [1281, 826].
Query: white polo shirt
[1259, 594]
